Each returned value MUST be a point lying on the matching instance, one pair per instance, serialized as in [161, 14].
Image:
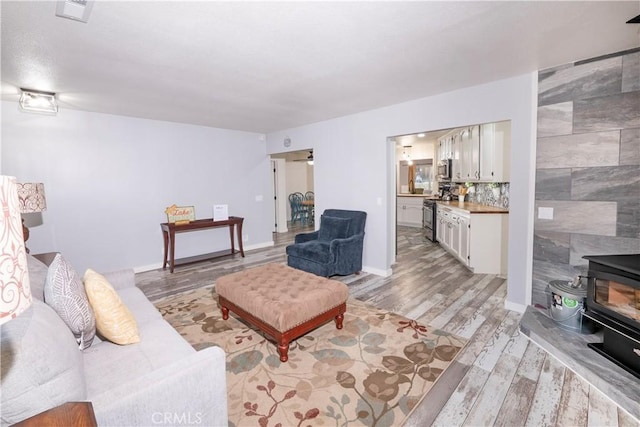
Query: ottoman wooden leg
[339, 319]
[283, 350]
[225, 313]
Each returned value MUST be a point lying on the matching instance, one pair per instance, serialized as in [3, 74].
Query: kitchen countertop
[422, 196]
[474, 208]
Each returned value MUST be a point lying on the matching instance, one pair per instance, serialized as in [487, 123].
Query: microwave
[444, 170]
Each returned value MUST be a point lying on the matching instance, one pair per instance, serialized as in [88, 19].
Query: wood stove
[613, 300]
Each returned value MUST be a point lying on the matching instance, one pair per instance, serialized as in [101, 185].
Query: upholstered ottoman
[282, 302]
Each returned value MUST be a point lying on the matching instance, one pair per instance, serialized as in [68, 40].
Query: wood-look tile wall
[587, 165]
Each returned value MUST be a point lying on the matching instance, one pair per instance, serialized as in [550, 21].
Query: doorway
[293, 173]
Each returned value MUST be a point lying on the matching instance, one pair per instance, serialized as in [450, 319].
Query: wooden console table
[170, 229]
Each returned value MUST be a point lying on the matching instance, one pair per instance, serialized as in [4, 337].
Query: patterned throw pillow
[63, 291]
[114, 320]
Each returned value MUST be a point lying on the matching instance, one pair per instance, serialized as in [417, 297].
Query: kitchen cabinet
[456, 157]
[470, 153]
[464, 227]
[478, 241]
[495, 150]
[445, 146]
[409, 211]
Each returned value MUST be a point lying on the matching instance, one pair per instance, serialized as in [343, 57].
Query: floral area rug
[372, 372]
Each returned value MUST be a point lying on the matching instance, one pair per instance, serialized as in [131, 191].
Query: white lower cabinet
[409, 211]
[479, 241]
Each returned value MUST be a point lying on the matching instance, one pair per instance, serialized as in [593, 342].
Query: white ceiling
[266, 66]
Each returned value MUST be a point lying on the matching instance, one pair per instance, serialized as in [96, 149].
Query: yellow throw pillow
[114, 321]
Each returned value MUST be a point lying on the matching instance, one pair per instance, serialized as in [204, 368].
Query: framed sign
[220, 212]
[180, 214]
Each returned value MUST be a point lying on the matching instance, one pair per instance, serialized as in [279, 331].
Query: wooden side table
[71, 414]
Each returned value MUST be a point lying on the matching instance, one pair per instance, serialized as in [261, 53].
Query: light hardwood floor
[500, 377]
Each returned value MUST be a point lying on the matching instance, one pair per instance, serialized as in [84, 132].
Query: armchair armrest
[347, 253]
[337, 245]
[306, 237]
[121, 279]
[191, 391]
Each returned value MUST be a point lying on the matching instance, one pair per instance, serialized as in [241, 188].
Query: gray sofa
[161, 380]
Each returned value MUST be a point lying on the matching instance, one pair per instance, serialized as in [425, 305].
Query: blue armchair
[336, 248]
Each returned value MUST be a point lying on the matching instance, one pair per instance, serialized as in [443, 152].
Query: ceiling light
[78, 10]
[38, 101]
[421, 135]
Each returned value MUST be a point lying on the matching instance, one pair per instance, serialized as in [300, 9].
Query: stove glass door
[618, 297]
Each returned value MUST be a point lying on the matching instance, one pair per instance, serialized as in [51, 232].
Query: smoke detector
[78, 10]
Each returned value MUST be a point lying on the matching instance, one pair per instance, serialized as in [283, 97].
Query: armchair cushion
[314, 250]
[333, 228]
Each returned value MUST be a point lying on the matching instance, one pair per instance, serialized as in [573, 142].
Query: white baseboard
[149, 267]
[155, 266]
[520, 308]
[377, 271]
[259, 246]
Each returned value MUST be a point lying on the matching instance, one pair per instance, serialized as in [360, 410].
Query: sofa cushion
[108, 365]
[41, 366]
[114, 320]
[314, 250]
[37, 276]
[64, 292]
[333, 228]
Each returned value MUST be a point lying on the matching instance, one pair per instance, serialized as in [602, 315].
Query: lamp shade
[15, 292]
[31, 197]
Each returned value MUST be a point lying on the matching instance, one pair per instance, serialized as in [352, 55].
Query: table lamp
[15, 291]
[31, 199]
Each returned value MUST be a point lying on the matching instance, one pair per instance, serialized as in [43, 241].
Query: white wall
[109, 178]
[352, 168]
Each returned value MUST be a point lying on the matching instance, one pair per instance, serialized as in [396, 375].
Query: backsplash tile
[553, 184]
[611, 112]
[570, 151]
[581, 82]
[483, 194]
[551, 247]
[631, 72]
[584, 244]
[606, 183]
[589, 173]
[630, 146]
[555, 119]
[578, 217]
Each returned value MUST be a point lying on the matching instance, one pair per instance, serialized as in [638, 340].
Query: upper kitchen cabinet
[470, 153]
[495, 149]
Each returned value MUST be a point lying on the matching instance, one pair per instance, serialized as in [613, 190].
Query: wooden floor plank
[546, 400]
[463, 398]
[602, 411]
[574, 401]
[486, 407]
